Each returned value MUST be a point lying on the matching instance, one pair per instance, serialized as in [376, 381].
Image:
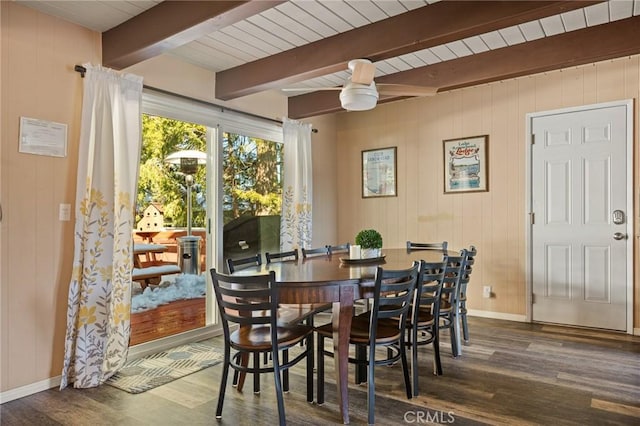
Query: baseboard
[135, 352]
[497, 315]
[30, 389]
[636, 331]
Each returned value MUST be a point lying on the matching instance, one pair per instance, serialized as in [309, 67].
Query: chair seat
[258, 338]
[387, 331]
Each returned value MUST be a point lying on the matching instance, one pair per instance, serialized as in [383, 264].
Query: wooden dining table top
[338, 267]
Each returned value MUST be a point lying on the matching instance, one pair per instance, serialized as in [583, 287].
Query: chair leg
[320, 370]
[465, 326]
[371, 391]
[223, 381]
[361, 369]
[414, 360]
[256, 375]
[437, 364]
[310, 364]
[278, 385]
[456, 348]
[285, 372]
[405, 368]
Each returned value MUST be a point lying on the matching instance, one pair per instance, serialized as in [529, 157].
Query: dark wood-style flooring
[510, 374]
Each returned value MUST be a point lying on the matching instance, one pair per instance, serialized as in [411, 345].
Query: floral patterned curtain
[295, 227]
[98, 322]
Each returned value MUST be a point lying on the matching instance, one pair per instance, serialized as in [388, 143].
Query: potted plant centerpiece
[370, 242]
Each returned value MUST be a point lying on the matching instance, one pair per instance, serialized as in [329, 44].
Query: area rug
[146, 373]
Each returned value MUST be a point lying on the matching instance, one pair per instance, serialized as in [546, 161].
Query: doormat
[146, 373]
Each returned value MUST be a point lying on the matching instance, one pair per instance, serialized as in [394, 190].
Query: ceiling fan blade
[362, 71]
[308, 89]
[405, 90]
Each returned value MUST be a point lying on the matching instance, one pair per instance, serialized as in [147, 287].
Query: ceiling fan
[361, 93]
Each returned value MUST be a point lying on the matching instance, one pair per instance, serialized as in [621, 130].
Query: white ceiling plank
[384, 68]
[532, 30]
[243, 48]
[597, 14]
[620, 9]
[369, 10]
[198, 54]
[428, 56]
[459, 48]
[552, 25]
[413, 60]
[476, 44]
[247, 38]
[414, 4]
[493, 40]
[636, 8]
[284, 21]
[512, 35]
[443, 52]
[399, 64]
[574, 20]
[346, 12]
[325, 15]
[277, 30]
[257, 32]
[390, 7]
[303, 17]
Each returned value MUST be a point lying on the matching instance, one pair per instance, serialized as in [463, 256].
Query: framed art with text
[379, 173]
[465, 164]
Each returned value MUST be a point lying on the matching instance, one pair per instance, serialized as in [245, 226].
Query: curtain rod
[82, 70]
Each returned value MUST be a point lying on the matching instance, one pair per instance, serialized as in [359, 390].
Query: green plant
[369, 239]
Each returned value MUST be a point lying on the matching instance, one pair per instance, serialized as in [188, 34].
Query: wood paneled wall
[494, 221]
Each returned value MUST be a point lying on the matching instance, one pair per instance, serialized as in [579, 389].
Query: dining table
[339, 280]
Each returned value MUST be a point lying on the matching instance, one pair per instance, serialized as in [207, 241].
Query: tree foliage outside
[252, 177]
[163, 183]
[252, 173]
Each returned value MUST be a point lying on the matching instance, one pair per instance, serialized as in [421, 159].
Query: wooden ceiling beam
[593, 44]
[171, 24]
[428, 26]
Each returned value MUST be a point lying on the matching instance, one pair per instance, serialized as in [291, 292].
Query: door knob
[619, 236]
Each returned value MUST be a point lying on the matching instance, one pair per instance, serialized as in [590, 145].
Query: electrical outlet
[486, 291]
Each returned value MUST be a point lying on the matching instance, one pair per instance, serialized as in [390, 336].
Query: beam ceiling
[425, 27]
[171, 24]
[574, 48]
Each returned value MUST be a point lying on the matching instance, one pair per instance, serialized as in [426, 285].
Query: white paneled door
[580, 202]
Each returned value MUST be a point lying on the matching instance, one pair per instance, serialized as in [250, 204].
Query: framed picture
[379, 173]
[466, 167]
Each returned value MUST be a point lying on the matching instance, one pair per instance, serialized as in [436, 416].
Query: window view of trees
[252, 177]
[252, 173]
[162, 183]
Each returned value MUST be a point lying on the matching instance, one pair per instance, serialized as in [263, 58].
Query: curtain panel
[295, 226]
[98, 313]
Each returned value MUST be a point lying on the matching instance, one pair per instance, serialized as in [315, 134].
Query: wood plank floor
[509, 374]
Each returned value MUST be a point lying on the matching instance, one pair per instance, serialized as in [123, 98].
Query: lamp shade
[188, 160]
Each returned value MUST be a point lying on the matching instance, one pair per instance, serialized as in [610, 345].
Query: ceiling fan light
[358, 98]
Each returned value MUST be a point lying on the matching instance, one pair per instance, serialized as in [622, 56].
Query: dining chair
[340, 248]
[425, 309]
[232, 264]
[251, 303]
[318, 251]
[450, 300]
[464, 282]
[427, 246]
[392, 295]
[282, 256]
